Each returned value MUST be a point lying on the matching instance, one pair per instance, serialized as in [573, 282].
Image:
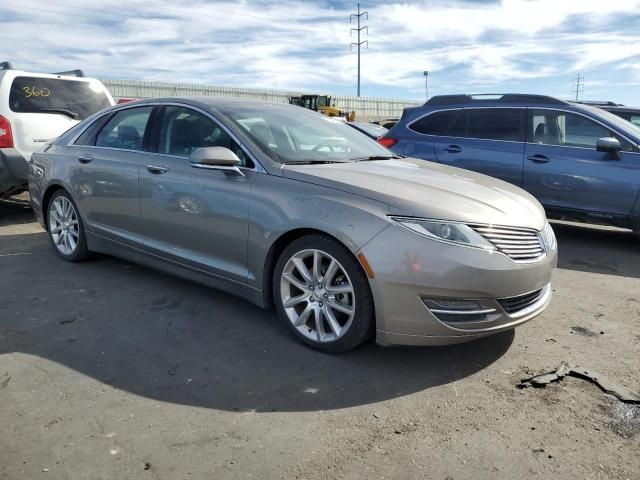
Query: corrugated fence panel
[366, 108]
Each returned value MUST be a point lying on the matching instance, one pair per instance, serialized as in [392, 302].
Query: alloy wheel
[317, 295]
[63, 225]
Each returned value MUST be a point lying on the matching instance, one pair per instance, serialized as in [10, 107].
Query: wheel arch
[46, 198]
[276, 249]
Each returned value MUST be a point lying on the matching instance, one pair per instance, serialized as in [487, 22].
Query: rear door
[564, 170]
[105, 174]
[486, 140]
[43, 108]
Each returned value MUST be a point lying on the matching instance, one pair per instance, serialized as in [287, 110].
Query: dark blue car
[580, 162]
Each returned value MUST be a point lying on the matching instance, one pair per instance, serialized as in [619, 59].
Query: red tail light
[387, 142]
[6, 139]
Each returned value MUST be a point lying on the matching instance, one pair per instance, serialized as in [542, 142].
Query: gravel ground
[110, 371]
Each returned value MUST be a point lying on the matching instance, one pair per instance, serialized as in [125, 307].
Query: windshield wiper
[64, 111]
[376, 157]
[313, 161]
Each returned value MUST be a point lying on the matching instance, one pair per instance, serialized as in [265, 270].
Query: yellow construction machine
[322, 104]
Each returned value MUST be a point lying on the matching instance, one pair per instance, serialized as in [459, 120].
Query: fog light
[452, 305]
[458, 311]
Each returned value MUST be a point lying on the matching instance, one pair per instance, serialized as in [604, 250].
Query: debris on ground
[585, 332]
[608, 386]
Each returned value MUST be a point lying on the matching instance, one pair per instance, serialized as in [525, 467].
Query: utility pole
[426, 83]
[578, 85]
[359, 43]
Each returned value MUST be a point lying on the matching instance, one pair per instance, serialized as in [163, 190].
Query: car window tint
[183, 131]
[434, 123]
[635, 119]
[459, 127]
[496, 124]
[75, 98]
[551, 127]
[125, 130]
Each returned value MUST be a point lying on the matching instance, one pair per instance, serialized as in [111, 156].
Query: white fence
[366, 108]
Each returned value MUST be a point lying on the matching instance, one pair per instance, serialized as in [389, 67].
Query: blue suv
[580, 162]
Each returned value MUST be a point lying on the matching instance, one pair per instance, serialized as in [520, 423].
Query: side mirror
[216, 158]
[609, 145]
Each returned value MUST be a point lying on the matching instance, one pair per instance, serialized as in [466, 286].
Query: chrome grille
[513, 305]
[519, 244]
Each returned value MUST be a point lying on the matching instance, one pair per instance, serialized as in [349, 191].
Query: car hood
[418, 188]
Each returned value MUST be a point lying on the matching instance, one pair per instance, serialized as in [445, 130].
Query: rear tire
[322, 293]
[66, 230]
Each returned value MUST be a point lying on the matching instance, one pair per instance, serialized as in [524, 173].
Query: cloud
[305, 45]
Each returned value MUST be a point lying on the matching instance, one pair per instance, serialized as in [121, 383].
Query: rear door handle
[453, 149]
[85, 159]
[537, 158]
[156, 170]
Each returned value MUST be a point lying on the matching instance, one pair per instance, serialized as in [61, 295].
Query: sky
[523, 46]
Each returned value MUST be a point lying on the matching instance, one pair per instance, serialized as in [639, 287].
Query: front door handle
[537, 158]
[453, 149]
[85, 159]
[156, 170]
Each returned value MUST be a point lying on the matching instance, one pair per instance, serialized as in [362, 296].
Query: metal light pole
[426, 83]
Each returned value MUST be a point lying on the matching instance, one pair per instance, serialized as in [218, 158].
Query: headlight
[549, 238]
[448, 232]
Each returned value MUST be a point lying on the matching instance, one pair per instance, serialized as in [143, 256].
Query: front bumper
[408, 268]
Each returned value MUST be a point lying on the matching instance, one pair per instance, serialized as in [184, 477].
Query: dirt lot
[112, 371]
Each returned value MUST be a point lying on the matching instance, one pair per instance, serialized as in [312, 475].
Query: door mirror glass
[608, 144]
[214, 156]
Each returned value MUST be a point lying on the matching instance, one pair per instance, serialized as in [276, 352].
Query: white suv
[35, 108]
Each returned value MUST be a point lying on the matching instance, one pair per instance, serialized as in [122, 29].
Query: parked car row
[284, 206]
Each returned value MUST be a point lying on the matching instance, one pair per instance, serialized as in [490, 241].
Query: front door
[105, 176]
[563, 169]
[486, 140]
[194, 217]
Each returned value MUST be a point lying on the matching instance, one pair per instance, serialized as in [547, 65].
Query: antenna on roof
[6, 66]
[70, 73]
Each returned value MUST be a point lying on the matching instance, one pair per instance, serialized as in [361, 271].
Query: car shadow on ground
[171, 340]
[596, 250]
[16, 210]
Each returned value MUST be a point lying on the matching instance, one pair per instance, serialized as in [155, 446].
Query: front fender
[280, 205]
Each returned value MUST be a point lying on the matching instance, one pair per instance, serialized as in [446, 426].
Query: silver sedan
[286, 207]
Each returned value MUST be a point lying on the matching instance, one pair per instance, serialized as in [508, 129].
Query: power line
[359, 43]
[578, 85]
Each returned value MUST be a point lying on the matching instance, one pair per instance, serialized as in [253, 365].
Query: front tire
[66, 230]
[322, 293]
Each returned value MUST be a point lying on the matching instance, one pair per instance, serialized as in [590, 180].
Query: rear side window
[434, 123]
[125, 130]
[505, 124]
[74, 98]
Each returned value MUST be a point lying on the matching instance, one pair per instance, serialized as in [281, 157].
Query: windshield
[291, 134]
[74, 98]
[617, 121]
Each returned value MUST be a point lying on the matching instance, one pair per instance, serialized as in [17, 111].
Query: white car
[36, 108]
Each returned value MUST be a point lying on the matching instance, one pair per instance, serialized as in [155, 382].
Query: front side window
[125, 130]
[182, 131]
[77, 99]
[550, 127]
[434, 123]
[506, 124]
